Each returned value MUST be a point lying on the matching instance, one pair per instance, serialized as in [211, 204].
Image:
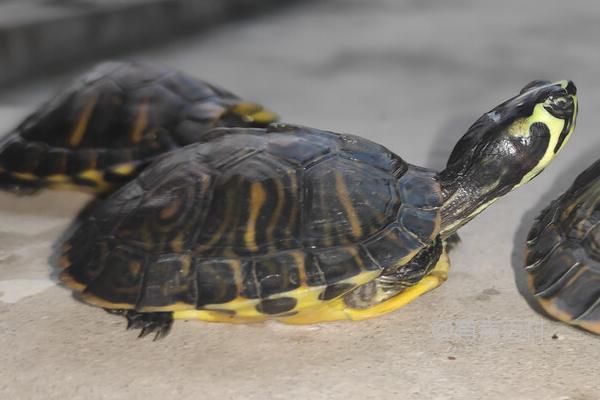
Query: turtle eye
[561, 102]
[560, 107]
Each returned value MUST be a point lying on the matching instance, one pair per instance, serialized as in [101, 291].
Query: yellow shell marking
[264, 117]
[124, 169]
[310, 309]
[141, 121]
[252, 112]
[64, 262]
[170, 210]
[97, 301]
[66, 278]
[177, 243]
[24, 176]
[246, 108]
[135, 267]
[344, 197]
[236, 266]
[58, 178]
[81, 126]
[218, 234]
[307, 298]
[92, 175]
[175, 307]
[299, 261]
[257, 200]
[276, 212]
[186, 264]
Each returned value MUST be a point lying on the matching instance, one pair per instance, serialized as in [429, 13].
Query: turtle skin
[111, 122]
[257, 224]
[563, 254]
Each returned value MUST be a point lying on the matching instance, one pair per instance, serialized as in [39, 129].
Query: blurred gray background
[412, 75]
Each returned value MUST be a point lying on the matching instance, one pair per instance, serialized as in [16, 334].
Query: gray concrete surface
[42, 36]
[412, 75]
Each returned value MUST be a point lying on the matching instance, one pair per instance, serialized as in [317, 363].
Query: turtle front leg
[374, 298]
[435, 278]
[159, 323]
[452, 242]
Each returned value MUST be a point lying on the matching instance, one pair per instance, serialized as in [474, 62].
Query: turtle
[109, 123]
[563, 254]
[297, 224]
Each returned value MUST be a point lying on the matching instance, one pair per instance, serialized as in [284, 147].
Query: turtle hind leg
[386, 300]
[159, 323]
[381, 296]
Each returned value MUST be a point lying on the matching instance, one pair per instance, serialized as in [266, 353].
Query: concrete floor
[411, 75]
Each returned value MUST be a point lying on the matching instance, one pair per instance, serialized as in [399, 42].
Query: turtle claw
[160, 332]
[159, 327]
[159, 323]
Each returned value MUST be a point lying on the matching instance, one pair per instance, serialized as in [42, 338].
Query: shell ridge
[587, 311]
[558, 280]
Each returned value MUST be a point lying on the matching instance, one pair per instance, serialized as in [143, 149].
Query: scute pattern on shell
[252, 216]
[563, 255]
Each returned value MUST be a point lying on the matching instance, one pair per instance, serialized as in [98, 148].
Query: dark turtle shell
[563, 255]
[110, 122]
[255, 222]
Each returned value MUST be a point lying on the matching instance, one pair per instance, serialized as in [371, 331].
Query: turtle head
[506, 148]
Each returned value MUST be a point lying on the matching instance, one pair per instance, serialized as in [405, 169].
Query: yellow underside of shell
[311, 310]
[239, 310]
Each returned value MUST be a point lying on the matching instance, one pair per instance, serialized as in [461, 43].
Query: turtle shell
[563, 254]
[255, 222]
[110, 122]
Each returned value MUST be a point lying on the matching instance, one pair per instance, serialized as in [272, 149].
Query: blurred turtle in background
[111, 122]
[563, 254]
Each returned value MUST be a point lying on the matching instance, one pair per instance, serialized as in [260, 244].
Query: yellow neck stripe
[555, 126]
